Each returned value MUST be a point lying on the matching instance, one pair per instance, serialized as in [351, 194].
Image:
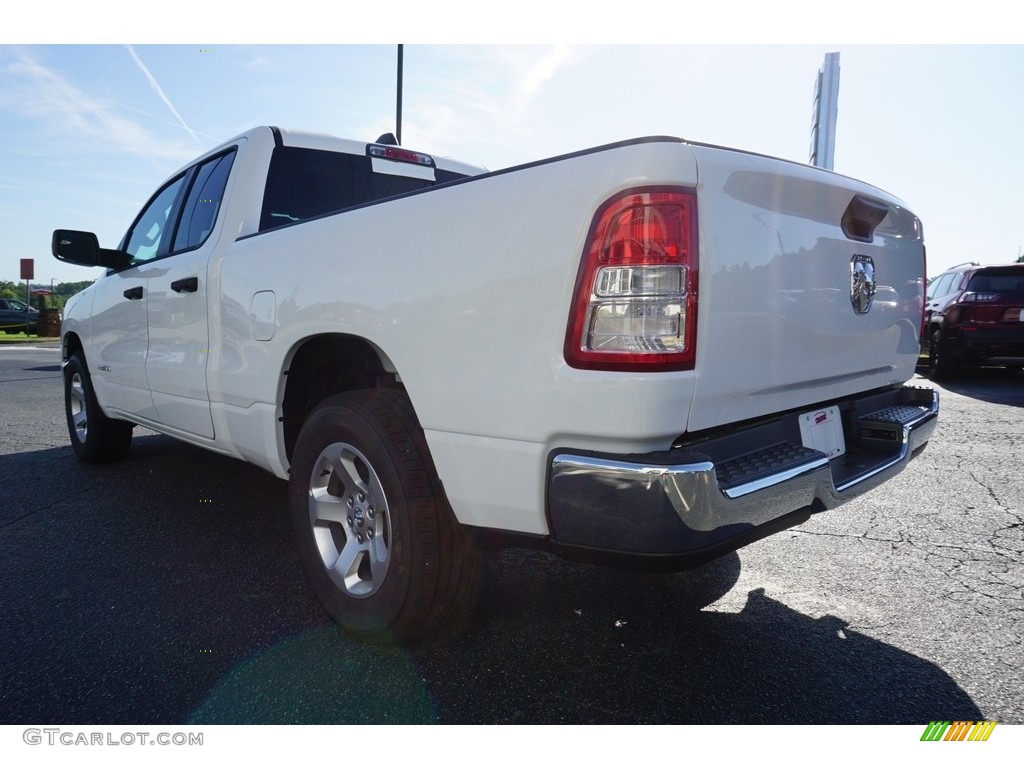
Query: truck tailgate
[811, 288]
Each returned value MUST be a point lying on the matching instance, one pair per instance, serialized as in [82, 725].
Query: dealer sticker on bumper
[822, 430]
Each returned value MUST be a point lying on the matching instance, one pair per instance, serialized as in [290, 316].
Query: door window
[151, 235]
[204, 199]
[167, 226]
[940, 287]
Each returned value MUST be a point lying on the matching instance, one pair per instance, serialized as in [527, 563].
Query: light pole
[398, 108]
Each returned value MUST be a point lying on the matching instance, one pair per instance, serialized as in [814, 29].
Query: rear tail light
[974, 309]
[978, 296]
[635, 303]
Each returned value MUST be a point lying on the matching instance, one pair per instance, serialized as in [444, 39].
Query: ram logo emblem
[862, 283]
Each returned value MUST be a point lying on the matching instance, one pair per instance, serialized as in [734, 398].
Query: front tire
[378, 542]
[95, 437]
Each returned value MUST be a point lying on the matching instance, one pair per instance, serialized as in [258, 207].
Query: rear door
[178, 327]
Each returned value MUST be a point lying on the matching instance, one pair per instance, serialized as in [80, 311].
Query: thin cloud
[44, 95]
[160, 92]
[489, 97]
[537, 75]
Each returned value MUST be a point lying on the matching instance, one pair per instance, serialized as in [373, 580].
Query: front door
[120, 332]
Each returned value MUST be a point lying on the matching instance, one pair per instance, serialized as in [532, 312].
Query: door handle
[185, 285]
[133, 293]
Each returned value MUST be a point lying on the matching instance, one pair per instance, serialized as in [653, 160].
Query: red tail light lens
[635, 304]
[398, 153]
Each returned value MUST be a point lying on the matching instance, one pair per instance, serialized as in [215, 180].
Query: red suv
[974, 315]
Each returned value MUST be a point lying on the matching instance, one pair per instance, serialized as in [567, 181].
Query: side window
[199, 213]
[940, 287]
[150, 237]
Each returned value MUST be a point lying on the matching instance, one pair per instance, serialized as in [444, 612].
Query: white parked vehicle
[654, 349]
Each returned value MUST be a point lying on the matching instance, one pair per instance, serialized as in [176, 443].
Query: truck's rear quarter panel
[466, 289]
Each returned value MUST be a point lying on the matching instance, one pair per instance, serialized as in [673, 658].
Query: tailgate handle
[133, 293]
[185, 285]
[861, 217]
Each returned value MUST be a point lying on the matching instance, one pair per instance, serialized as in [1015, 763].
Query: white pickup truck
[652, 350]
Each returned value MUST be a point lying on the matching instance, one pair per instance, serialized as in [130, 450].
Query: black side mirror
[83, 248]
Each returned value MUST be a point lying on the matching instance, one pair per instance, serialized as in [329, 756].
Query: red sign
[28, 271]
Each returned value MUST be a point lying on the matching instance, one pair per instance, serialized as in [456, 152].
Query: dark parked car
[974, 315]
[14, 315]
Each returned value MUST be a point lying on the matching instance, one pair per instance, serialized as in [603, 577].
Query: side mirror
[83, 248]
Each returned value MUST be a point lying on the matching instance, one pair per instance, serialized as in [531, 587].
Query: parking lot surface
[165, 589]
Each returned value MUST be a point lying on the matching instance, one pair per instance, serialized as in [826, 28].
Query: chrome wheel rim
[349, 520]
[79, 408]
[933, 354]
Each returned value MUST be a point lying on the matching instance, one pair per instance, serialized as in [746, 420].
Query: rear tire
[379, 544]
[95, 437]
[939, 364]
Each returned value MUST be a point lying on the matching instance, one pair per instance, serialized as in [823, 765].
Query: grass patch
[21, 337]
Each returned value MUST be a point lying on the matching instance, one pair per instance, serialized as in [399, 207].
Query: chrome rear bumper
[704, 500]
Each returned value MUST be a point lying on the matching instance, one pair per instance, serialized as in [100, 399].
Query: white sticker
[822, 430]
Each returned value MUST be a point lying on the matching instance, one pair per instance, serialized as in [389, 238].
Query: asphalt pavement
[165, 589]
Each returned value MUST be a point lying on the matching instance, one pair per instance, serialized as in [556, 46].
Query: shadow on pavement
[991, 385]
[165, 589]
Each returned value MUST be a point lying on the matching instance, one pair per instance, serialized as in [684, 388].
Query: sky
[90, 130]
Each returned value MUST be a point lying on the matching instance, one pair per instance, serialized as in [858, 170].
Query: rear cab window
[303, 183]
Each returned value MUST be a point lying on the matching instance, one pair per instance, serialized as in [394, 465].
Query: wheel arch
[328, 364]
[70, 344]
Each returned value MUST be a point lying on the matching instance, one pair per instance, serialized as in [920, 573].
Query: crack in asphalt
[989, 585]
[991, 493]
[48, 506]
[857, 536]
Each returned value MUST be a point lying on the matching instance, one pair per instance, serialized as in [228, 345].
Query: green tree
[61, 292]
[9, 290]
